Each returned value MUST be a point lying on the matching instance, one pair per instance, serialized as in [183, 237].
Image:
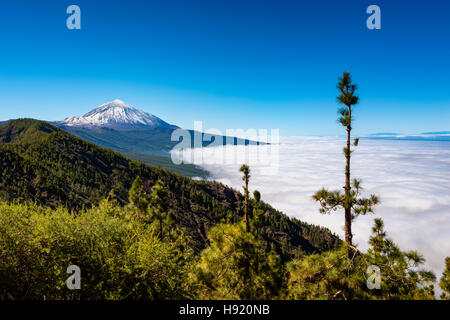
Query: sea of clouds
[412, 179]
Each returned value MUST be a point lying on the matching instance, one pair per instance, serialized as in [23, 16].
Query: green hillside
[51, 167]
[28, 130]
[186, 169]
[25, 131]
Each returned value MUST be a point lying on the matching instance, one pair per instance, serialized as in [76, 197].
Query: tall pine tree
[245, 169]
[350, 200]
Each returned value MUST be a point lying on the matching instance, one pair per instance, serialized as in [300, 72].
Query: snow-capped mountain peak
[118, 115]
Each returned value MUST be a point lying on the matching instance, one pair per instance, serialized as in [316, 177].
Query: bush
[119, 258]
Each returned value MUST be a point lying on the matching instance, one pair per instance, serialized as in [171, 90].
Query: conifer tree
[236, 266]
[350, 200]
[257, 213]
[138, 198]
[401, 276]
[335, 274]
[159, 206]
[257, 196]
[245, 169]
[445, 281]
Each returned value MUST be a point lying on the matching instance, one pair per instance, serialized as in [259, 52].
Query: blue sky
[232, 64]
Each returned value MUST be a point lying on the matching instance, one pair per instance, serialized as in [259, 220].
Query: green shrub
[119, 258]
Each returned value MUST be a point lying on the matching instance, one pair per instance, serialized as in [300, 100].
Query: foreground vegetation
[134, 252]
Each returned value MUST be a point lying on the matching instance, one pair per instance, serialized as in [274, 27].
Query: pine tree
[159, 206]
[257, 213]
[257, 196]
[236, 266]
[350, 200]
[401, 277]
[445, 281]
[335, 274]
[169, 223]
[245, 169]
[138, 198]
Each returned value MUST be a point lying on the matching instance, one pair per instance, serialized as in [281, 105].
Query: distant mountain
[117, 115]
[120, 127]
[384, 134]
[437, 132]
[46, 165]
[410, 135]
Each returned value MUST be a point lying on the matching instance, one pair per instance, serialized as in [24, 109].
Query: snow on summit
[116, 114]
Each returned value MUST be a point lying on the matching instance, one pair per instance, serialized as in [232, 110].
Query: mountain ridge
[116, 115]
[123, 128]
[436, 132]
[54, 168]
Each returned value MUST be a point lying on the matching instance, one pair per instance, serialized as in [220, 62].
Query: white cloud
[412, 179]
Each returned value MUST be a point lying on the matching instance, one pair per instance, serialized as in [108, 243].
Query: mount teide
[124, 128]
[119, 116]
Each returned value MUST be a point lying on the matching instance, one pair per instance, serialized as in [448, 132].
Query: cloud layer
[412, 178]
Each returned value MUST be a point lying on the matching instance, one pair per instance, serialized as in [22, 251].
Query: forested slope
[46, 165]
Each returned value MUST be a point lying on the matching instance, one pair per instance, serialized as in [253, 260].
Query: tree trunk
[247, 224]
[347, 204]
